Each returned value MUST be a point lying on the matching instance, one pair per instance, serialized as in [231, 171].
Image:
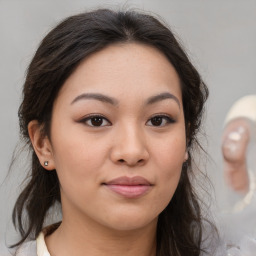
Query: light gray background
[219, 35]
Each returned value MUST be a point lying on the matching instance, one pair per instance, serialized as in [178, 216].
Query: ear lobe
[186, 156]
[41, 145]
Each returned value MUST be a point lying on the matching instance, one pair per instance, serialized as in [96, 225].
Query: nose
[129, 147]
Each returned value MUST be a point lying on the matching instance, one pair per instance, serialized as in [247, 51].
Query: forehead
[124, 69]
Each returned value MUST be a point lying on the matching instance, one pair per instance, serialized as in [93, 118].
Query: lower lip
[130, 191]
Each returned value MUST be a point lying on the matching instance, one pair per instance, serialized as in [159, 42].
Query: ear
[41, 145]
[186, 156]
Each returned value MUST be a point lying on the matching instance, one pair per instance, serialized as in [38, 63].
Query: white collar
[41, 246]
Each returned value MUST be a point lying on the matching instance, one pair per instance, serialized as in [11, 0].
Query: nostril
[121, 160]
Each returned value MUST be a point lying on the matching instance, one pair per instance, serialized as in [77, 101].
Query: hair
[180, 225]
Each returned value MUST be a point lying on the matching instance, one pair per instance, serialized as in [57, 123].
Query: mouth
[129, 187]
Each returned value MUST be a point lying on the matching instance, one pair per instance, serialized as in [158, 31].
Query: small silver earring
[46, 163]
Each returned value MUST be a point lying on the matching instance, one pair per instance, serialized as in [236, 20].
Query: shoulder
[34, 248]
[27, 249]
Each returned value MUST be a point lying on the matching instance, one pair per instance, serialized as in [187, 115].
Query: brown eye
[96, 121]
[160, 120]
[156, 121]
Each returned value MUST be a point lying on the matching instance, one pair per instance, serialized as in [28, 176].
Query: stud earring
[46, 163]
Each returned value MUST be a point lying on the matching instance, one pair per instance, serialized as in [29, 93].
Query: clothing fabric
[38, 248]
[34, 248]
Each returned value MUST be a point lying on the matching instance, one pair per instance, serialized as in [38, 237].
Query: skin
[235, 140]
[96, 220]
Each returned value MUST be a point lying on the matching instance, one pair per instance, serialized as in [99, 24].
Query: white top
[34, 248]
[41, 246]
[38, 248]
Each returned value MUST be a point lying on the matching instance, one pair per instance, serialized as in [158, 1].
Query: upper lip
[129, 181]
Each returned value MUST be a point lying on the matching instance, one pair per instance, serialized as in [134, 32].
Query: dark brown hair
[179, 230]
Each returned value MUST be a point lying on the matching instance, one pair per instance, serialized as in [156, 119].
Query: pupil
[96, 121]
[156, 121]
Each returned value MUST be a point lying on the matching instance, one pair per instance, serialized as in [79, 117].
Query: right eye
[96, 121]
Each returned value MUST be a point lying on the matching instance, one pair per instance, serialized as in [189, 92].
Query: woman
[111, 108]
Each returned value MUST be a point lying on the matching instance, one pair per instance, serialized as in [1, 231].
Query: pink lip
[129, 187]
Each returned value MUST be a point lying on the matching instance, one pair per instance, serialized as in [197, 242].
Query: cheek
[169, 161]
[171, 166]
[73, 146]
[77, 158]
[167, 184]
[77, 165]
[170, 152]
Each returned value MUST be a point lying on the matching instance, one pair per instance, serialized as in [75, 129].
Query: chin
[129, 222]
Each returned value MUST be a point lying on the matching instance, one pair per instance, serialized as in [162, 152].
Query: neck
[76, 238]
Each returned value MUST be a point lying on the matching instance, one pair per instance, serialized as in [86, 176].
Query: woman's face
[118, 137]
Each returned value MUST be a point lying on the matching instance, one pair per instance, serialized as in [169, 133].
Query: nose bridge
[133, 136]
[130, 144]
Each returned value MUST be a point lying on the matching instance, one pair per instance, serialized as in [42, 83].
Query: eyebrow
[162, 96]
[112, 101]
[95, 96]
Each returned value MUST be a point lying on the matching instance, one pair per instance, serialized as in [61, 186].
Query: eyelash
[167, 118]
[90, 117]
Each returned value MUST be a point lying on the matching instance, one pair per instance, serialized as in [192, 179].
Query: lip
[129, 187]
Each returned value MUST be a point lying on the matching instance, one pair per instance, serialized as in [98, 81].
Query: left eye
[96, 121]
[159, 121]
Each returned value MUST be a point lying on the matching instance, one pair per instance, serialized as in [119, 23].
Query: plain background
[219, 36]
